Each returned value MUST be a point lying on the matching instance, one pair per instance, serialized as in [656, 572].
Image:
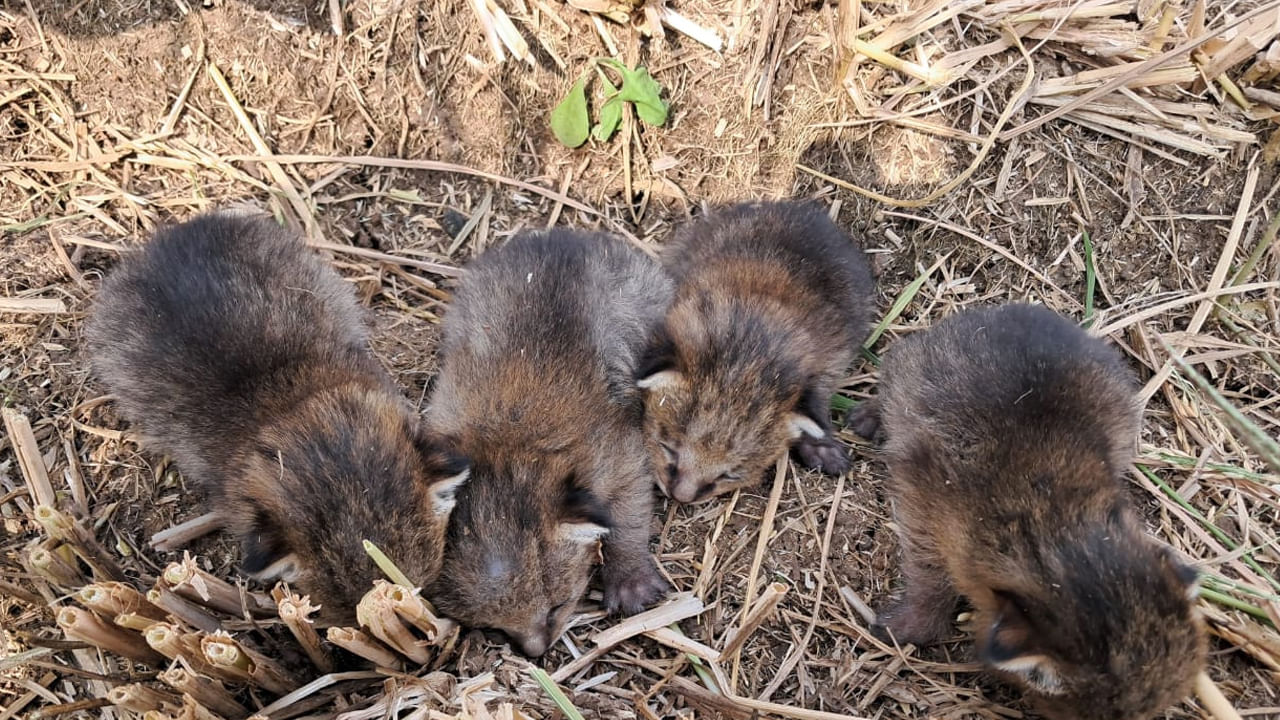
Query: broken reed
[205, 690]
[188, 580]
[85, 626]
[295, 612]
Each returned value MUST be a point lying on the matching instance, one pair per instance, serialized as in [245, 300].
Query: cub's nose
[534, 645]
[684, 489]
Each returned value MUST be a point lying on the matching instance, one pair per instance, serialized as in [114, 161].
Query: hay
[1039, 143]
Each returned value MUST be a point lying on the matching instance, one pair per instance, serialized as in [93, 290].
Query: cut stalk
[187, 612]
[359, 643]
[294, 612]
[52, 567]
[141, 699]
[415, 610]
[207, 691]
[222, 651]
[113, 598]
[191, 582]
[376, 614]
[82, 625]
[134, 622]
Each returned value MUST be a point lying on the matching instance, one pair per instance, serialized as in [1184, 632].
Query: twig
[28, 452]
[1216, 282]
[178, 535]
[762, 544]
[1213, 699]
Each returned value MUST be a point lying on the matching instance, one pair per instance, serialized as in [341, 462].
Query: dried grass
[401, 149]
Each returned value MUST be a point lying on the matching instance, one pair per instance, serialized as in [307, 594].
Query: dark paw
[631, 591]
[864, 420]
[910, 626]
[822, 454]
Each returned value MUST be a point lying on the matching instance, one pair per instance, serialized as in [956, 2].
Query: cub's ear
[1012, 645]
[799, 424]
[444, 470]
[1186, 576]
[266, 551]
[580, 505]
[584, 518]
[581, 533]
[657, 367]
[812, 415]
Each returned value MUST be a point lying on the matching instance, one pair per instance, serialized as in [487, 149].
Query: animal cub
[771, 301]
[1007, 432]
[537, 386]
[244, 357]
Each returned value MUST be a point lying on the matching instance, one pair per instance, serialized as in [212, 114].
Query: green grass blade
[900, 304]
[1252, 435]
[1227, 601]
[554, 692]
[388, 568]
[1217, 532]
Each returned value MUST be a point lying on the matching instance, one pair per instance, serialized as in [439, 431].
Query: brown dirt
[414, 80]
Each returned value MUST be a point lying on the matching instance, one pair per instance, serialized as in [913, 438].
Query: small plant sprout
[571, 120]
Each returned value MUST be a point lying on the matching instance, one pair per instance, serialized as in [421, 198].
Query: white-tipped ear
[800, 424]
[1038, 672]
[286, 569]
[659, 380]
[582, 533]
[444, 492]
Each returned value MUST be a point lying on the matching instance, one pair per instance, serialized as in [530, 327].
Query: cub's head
[723, 400]
[521, 548]
[347, 466]
[1123, 641]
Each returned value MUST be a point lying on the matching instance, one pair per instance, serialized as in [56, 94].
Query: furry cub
[537, 387]
[242, 355]
[1007, 432]
[771, 301]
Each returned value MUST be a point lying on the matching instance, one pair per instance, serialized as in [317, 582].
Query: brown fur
[537, 386]
[771, 301]
[243, 356]
[1007, 433]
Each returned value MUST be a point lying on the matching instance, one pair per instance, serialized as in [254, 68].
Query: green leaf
[569, 120]
[610, 119]
[640, 89]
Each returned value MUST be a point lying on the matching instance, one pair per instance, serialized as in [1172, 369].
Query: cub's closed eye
[555, 611]
[729, 477]
[670, 453]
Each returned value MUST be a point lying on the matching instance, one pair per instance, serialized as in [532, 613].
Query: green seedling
[571, 119]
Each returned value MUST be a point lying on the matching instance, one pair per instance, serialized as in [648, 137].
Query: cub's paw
[864, 420]
[631, 590]
[823, 454]
[908, 625]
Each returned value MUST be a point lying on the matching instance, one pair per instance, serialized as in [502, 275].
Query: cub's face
[518, 559]
[705, 439]
[1137, 656]
[340, 469]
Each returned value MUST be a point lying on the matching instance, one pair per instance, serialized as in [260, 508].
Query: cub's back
[798, 238]
[1003, 392]
[198, 330]
[550, 317]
